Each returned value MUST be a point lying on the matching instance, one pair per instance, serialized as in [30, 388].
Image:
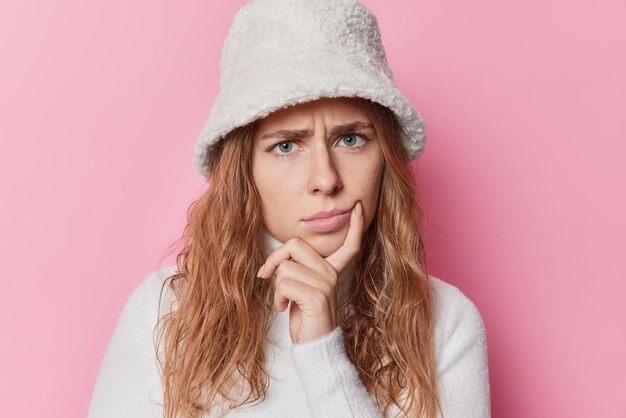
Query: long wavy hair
[212, 356]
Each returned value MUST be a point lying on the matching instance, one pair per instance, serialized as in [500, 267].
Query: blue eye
[353, 142]
[284, 146]
[288, 148]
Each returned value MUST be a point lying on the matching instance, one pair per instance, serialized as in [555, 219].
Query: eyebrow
[301, 133]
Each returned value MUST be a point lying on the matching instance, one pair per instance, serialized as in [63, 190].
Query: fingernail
[260, 271]
[359, 209]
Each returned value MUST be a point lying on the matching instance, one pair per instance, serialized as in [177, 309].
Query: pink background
[522, 182]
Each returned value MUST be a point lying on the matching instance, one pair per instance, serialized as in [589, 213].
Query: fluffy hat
[282, 52]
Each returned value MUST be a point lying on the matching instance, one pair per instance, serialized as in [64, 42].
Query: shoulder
[458, 324]
[154, 281]
[128, 383]
[452, 307]
[144, 299]
[460, 353]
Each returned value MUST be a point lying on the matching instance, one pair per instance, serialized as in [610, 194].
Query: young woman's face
[317, 156]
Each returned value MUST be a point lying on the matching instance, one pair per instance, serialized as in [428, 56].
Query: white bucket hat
[280, 53]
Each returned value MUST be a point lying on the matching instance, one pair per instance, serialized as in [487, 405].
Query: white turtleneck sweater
[315, 379]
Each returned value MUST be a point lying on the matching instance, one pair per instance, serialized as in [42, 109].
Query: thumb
[352, 244]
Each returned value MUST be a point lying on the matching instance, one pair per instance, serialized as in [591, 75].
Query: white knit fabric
[316, 379]
[282, 52]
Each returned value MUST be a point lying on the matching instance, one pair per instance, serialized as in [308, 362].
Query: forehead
[332, 110]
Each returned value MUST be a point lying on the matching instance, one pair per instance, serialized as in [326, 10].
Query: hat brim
[263, 87]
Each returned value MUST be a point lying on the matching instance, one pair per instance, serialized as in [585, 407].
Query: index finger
[352, 244]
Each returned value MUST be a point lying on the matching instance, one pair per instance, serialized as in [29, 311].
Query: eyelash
[277, 155]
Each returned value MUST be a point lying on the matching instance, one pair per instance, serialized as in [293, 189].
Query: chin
[326, 244]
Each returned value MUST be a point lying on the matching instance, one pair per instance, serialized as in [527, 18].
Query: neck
[346, 276]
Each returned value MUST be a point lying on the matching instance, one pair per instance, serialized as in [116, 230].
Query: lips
[328, 221]
[326, 214]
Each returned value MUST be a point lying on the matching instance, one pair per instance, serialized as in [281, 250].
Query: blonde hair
[221, 303]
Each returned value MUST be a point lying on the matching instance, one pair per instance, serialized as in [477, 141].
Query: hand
[310, 280]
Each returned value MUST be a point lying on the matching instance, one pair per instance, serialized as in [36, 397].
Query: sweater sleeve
[128, 384]
[462, 367]
[330, 380]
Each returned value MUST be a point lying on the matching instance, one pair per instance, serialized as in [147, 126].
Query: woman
[301, 286]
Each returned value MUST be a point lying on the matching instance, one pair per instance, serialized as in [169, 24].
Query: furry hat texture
[280, 53]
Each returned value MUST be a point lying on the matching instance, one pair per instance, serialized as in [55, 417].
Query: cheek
[368, 180]
[369, 189]
[264, 177]
[275, 188]
[278, 193]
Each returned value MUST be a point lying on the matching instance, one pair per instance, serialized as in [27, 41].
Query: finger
[295, 271]
[308, 298]
[352, 244]
[295, 249]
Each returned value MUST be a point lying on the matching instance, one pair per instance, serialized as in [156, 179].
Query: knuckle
[282, 266]
[295, 241]
[280, 285]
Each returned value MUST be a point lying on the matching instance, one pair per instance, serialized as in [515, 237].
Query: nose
[323, 175]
